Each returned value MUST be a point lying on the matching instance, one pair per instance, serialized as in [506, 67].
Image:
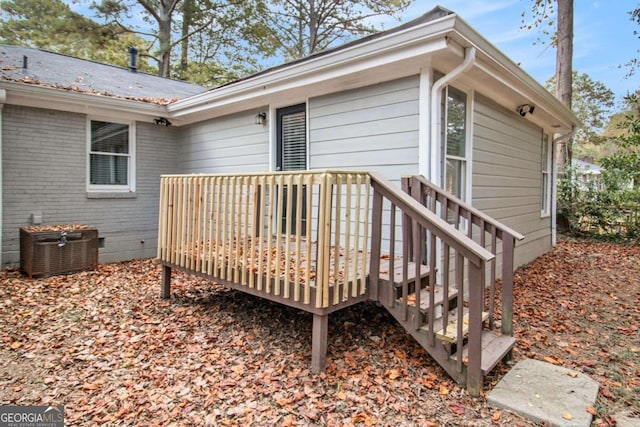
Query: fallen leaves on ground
[579, 307]
[105, 345]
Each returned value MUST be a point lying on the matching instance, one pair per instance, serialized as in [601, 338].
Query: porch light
[261, 118]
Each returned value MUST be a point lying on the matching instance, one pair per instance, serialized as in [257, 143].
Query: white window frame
[468, 143]
[545, 176]
[130, 187]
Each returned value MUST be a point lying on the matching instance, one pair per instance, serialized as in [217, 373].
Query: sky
[603, 37]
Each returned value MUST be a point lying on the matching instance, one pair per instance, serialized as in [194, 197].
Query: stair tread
[494, 347]
[397, 270]
[424, 297]
[450, 332]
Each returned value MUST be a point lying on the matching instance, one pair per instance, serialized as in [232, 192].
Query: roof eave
[29, 95]
[494, 61]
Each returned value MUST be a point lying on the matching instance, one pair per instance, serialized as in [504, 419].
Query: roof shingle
[66, 72]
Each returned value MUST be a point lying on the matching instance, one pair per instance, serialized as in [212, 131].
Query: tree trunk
[300, 47]
[564, 67]
[313, 27]
[164, 40]
[187, 17]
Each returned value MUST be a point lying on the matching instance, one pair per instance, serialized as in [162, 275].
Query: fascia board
[77, 102]
[499, 63]
[414, 41]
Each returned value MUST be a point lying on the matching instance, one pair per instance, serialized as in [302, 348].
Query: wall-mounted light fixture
[163, 121]
[525, 109]
[261, 118]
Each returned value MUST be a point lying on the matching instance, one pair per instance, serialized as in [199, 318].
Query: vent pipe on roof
[133, 59]
[25, 62]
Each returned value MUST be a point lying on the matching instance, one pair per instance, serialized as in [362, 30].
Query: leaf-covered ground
[106, 346]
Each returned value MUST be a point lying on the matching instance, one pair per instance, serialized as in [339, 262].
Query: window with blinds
[292, 138]
[110, 156]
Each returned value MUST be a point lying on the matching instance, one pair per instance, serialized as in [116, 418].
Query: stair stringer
[438, 351]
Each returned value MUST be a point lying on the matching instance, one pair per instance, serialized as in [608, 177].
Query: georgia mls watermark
[32, 416]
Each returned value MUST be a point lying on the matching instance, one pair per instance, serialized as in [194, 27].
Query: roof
[585, 167]
[60, 71]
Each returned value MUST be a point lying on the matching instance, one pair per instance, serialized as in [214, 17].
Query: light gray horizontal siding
[229, 144]
[44, 162]
[507, 175]
[371, 128]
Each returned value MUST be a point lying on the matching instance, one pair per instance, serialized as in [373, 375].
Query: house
[430, 98]
[588, 174]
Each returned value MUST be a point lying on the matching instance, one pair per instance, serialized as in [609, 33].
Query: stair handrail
[441, 228]
[415, 186]
[442, 193]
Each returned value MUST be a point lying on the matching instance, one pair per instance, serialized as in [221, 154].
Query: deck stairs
[441, 343]
[435, 295]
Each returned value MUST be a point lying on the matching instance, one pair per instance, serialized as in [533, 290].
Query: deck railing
[486, 231]
[300, 236]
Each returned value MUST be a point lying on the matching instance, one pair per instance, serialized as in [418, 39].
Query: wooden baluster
[337, 240]
[365, 238]
[347, 243]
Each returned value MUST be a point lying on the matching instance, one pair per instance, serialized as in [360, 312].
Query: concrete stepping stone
[546, 393]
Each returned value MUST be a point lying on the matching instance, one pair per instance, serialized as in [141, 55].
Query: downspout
[469, 59]
[3, 99]
[554, 184]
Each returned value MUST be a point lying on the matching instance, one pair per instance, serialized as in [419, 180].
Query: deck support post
[165, 291]
[319, 342]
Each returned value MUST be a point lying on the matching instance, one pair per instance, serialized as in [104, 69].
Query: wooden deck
[324, 240]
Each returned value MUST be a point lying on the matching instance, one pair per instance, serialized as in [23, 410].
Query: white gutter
[3, 98]
[554, 184]
[469, 58]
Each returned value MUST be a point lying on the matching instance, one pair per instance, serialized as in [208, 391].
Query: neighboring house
[587, 174]
[85, 143]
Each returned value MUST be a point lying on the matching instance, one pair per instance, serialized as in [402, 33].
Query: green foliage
[625, 163]
[614, 210]
[541, 16]
[611, 211]
[592, 102]
[222, 40]
[633, 64]
[227, 33]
